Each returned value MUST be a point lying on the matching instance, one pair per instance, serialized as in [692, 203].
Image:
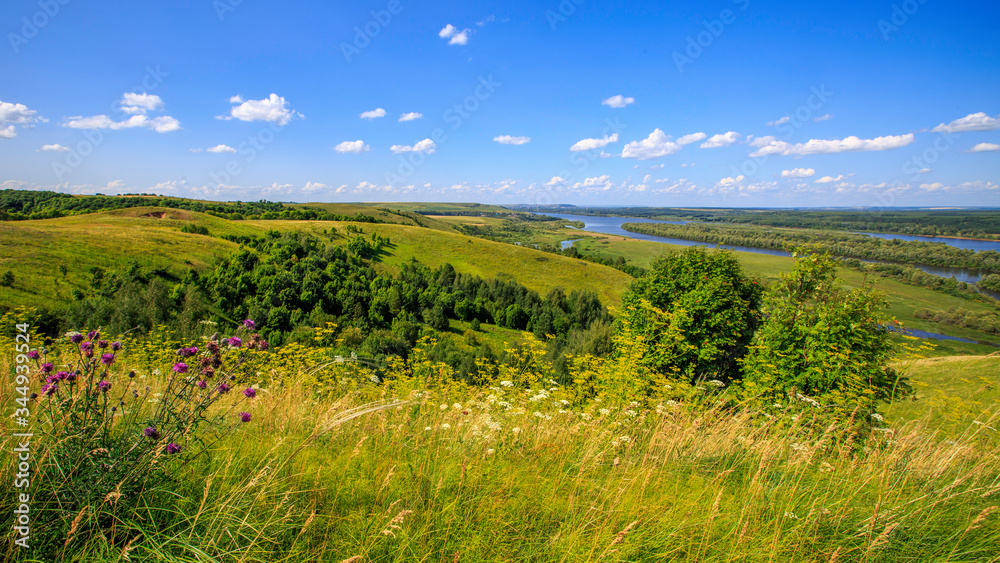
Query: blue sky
[734, 103]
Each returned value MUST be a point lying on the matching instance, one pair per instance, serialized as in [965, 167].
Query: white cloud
[618, 101]
[691, 138]
[410, 116]
[353, 147]
[985, 147]
[932, 187]
[602, 183]
[972, 122]
[57, 148]
[273, 109]
[781, 121]
[727, 182]
[161, 124]
[594, 144]
[769, 145]
[830, 179]
[824, 117]
[116, 184]
[426, 146]
[456, 37]
[721, 140]
[509, 140]
[132, 103]
[16, 114]
[373, 114]
[687, 165]
[798, 173]
[657, 144]
[311, 187]
[555, 181]
[658, 166]
[220, 149]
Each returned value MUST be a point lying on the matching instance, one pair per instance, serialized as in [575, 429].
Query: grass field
[952, 393]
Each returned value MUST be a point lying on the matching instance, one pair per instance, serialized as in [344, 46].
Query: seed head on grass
[395, 523]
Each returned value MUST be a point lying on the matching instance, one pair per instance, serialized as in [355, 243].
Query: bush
[7, 279]
[710, 301]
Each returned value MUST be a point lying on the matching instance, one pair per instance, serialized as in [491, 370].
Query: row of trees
[836, 243]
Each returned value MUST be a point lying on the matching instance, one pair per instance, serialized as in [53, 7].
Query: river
[613, 226]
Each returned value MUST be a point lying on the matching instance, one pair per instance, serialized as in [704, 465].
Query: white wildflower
[506, 383]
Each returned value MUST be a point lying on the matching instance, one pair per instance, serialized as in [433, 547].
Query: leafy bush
[713, 306]
[822, 344]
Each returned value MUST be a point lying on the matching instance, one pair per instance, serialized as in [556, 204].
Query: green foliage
[7, 279]
[983, 321]
[990, 282]
[822, 344]
[195, 229]
[713, 306]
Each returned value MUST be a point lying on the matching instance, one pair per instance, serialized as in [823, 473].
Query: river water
[613, 226]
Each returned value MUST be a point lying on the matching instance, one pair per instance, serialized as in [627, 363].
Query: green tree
[712, 303]
[823, 342]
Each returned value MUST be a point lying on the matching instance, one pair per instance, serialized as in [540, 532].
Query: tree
[713, 306]
[822, 342]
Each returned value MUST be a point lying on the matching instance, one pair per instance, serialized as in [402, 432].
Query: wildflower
[445, 426]
[244, 417]
[180, 367]
[791, 515]
[151, 432]
[538, 414]
[202, 384]
[208, 372]
[457, 406]
[46, 367]
[263, 345]
[490, 451]
[250, 392]
[212, 346]
[33, 354]
[92, 335]
[603, 412]
[75, 337]
[443, 407]
[107, 359]
[131, 374]
[61, 375]
[173, 448]
[104, 385]
[115, 346]
[427, 429]
[235, 342]
[223, 388]
[506, 384]
[515, 430]
[49, 390]
[102, 344]
[877, 417]
[631, 413]
[249, 324]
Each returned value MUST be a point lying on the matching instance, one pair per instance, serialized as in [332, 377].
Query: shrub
[711, 303]
[7, 279]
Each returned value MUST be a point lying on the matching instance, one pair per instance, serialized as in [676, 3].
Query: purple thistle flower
[75, 337]
[86, 346]
[249, 324]
[115, 346]
[202, 384]
[180, 367]
[223, 388]
[262, 345]
[104, 385]
[151, 432]
[173, 448]
[93, 335]
[33, 354]
[107, 359]
[49, 390]
[53, 378]
[68, 376]
[245, 417]
[102, 344]
[235, 342]
[46, 367]
[250, 392]
[212, 346]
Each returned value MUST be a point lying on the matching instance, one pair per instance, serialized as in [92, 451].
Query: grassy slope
[952, 391]
[34, 249]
